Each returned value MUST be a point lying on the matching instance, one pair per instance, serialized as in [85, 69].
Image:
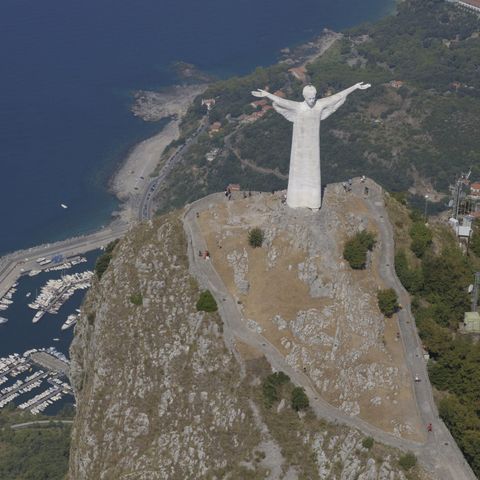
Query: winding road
[439, 454]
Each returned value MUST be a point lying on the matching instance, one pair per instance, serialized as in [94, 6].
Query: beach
[130, 180]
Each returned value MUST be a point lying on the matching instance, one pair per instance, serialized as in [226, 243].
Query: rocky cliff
[161, 396]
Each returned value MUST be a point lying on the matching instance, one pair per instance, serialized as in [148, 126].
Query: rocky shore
[144, 157]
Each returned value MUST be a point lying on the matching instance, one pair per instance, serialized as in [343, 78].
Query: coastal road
[41, 423]
[439, 454]
[22, 261]
[146, 205]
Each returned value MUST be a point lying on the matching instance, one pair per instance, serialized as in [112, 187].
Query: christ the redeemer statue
[304, 184]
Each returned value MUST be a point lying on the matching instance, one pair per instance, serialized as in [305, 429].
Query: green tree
[206, 302]
[256, 237]
[103, 261]
[421, 237]
[367, 443]
[299, 399]
[356, 248]
[387, 301]
[412, 279]
[136, 298]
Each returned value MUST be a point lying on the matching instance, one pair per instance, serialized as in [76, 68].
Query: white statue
[304, 183]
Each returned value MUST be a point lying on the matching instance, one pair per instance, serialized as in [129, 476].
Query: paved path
[40, 423]
[439, 454]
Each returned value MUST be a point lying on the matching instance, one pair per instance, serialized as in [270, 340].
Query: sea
[68, 71]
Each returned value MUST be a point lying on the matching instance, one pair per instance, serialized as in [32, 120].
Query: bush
[136, 298]
[270, 394]
[299, 399]
[269, 387]
[356, 248]
[206, 302]
[421, 238]
[103, 261]
[387, 301]
[407, 461]
[367, 443]
[411, 278]
[256, 237]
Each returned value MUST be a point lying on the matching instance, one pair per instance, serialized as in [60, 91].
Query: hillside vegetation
[438, 284]
[419, 131]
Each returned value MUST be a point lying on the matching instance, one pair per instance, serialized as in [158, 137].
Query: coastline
[128, 182]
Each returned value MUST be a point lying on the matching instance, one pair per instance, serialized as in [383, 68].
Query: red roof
[475, 186]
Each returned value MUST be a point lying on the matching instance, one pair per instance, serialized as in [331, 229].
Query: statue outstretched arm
[287, 108]
[331, 104]
[278, 100]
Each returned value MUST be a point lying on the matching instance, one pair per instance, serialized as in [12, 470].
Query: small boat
[63, 205]
[3, 320]
[28, 294]
[71, 319]
[56, 339]
[38, 316]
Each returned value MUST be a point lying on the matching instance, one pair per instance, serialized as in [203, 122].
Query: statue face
[310, 95]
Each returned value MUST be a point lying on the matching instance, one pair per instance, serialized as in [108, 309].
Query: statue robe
[304, 178]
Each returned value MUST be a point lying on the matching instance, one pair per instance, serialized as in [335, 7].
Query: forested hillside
[417, 125]
[437, 274]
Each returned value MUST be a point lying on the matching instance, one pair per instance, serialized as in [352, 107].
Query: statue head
[310, 95]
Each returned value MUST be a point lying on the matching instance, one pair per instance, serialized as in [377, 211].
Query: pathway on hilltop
[439, 454]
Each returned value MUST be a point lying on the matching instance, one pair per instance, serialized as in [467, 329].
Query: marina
[56, 292]
[42, 372]
[49, 390]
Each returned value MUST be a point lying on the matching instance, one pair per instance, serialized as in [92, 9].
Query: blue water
[67, 70]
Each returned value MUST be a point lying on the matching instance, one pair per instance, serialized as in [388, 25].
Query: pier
[50, 362]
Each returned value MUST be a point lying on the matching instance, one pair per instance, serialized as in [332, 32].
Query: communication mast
[458, 194]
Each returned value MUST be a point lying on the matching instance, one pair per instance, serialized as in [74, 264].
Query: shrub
[103, 261]
[278, 378]
[136, 298]
[206, 302]
[356, 248]
[411, 278]
[299, 399]
[387, 301]
[269, 387]
[256, 237]
[367, 443]
[407, 461]
[421, 238]
[270, 394]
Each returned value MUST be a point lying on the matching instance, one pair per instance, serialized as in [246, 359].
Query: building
[472, 200]
[300, 73]
[208, 102]
[472, 5]
[215, 128]
[475, 189]
[471, 323]
[396, 84]
[258, 104]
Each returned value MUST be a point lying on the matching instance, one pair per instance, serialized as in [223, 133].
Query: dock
[45, 360]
